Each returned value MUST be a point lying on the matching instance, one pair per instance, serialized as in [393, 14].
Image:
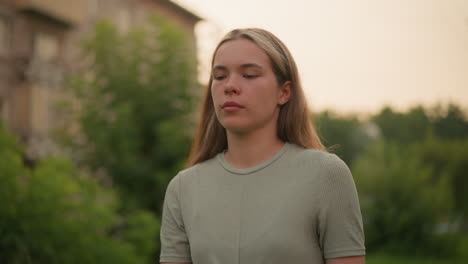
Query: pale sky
[356, 55]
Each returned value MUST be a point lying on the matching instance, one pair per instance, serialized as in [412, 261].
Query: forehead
[239, 52]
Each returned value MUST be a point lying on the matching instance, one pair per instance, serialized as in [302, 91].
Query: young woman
[260, 187]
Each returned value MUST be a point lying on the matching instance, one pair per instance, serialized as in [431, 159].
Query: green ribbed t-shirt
[300, 206]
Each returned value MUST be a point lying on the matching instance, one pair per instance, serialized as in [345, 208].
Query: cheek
[216, 88]
[214, 95]
[268, 96]
[215, 99]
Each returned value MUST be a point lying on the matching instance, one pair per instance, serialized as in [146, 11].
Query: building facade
[39, 44]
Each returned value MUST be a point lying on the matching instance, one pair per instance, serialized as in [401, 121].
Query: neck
[248, 150]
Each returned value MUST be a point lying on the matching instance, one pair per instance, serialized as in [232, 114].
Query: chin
[235, 126]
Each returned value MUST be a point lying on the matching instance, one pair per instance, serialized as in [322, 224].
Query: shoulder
[190, 174]
[327, 166]
[315, 157]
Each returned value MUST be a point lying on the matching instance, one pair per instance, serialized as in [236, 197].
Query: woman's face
[245, 91]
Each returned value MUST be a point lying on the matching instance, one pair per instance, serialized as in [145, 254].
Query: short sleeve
[175, 245]
[340, 228]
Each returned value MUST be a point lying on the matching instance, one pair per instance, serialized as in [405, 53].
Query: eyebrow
[243, 66]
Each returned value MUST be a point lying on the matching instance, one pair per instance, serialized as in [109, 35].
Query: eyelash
[250, 76]
[247, 76]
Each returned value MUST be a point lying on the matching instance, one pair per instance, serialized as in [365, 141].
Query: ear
[285, 93]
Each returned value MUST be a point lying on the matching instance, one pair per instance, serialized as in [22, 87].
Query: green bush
[400, 259]
[53, 214]
[402, 201]
[136, 98]
[449, 158]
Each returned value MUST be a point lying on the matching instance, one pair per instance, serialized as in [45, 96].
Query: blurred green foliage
[442, 122]
[346, 136]
[400, 259]
[135, 114]
[403, 128]
[449, 159]
[402, 200]
[411, 175]
[52, 213]
[136, 97]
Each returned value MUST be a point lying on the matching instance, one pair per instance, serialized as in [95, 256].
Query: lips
[231, 106]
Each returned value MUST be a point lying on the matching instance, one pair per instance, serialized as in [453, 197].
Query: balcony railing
[47, 74]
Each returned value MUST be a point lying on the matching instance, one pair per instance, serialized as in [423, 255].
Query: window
[2, 110]
[46, 46]
[3, 36]
[124, 20]
[93, 8]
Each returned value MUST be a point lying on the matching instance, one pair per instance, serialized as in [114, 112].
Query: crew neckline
[221, 158]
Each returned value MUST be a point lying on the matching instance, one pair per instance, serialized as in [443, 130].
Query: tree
[449, 122]
[53, 214]
[403, 128]
[418, 123]
[344, 135]
[402, 201]
[136, 100]
[449, 158]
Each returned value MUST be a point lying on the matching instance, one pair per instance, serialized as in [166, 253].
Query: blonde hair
[294, 120]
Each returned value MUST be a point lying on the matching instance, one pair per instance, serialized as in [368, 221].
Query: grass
[387, 259]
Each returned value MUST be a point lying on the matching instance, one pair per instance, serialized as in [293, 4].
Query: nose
[231, 86]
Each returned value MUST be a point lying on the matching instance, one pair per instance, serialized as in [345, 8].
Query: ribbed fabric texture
[300, 206]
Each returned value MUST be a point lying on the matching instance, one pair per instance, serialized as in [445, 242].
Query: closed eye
[219, 77]
[250, 76]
